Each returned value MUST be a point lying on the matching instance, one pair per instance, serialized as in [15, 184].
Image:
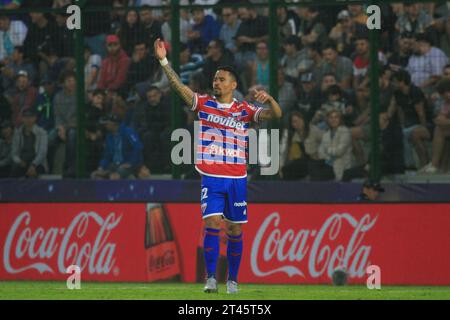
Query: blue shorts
[225, 197]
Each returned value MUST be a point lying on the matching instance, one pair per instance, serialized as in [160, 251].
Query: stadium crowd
[323, 85]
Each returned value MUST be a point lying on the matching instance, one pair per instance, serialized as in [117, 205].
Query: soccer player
[221, 161]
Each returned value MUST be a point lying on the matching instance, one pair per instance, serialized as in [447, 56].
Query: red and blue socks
[211, 248]
[234, 253]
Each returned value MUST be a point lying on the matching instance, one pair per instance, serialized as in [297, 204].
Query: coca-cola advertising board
[283, 243]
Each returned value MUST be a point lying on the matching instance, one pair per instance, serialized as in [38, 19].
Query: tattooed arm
[183, 91]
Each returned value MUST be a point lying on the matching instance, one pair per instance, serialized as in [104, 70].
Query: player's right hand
[160, 50]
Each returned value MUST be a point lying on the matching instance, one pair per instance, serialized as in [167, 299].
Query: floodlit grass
[181, 291]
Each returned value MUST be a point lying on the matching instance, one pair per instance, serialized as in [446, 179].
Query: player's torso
[223, 139]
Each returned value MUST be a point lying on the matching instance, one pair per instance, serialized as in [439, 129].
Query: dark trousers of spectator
[320, 171]
[157, 151]
[295, 169]
[354, 173]
[94, 150]
[17, 171]
[54, 140]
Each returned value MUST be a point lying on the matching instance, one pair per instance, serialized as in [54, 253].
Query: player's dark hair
[231, 70]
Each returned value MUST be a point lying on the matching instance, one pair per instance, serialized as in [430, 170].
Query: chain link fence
[328, 71]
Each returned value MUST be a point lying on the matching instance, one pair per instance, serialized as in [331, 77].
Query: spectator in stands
[335, 149]
[357, 14]
[441, 145]
[29, 148]
[317, 67]
[344, 33]
[426, 65]
[151, 120]
[309, 99]
[12, 34]
[92, 66]
[96, 110]
[341, 67]
[216, 56]
[205, 29]
[413, 19]
[288, 23]
[22, 98]
[65, 106]
[44, 105]
[311, 28]
[259, 69]
[412, 104]
[335, 100]
[152, 27]
[10, 4]
[361, 61]
[115, 67]
[41, 35]
[11, 69]
[229, 28]
[142, 65]
[153, 3]
[189, 63]
[65, 37]
[97, 24]
[6, 138]
[123, 151]
[300, 144]
[400, 57]
[185, 25]
[294, 61]
[253, 28]
[131, 32]
[286, 96]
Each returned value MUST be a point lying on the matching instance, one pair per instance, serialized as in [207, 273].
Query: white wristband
[164, 62]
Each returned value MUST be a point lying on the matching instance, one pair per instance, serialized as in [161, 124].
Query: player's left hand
[261, 96]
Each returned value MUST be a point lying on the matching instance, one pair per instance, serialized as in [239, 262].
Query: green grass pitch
[180, 291]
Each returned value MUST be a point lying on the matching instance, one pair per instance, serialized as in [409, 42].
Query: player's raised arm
[183, 91]
[275, 109]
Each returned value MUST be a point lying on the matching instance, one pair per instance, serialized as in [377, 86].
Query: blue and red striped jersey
[222, 149]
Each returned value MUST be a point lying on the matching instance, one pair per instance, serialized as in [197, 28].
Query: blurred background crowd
[323, 85]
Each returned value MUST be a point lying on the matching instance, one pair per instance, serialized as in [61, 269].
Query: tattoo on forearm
[183, 91]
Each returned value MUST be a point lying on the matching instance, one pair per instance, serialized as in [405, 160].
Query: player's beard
[217, 93]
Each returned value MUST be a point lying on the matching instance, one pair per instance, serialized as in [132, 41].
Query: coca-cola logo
[27, 249]
[161, 262]
[323, 250]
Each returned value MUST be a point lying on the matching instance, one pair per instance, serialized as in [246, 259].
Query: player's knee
[234, 229]
[213, 222]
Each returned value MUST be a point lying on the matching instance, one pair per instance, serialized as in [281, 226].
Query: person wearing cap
[113, 73]
[309, 98]
[11, 69]
[23, 97]
[12, 34]
[29, 148]
[6, 137]
[123, 151]
[426, 64]
[370, 191]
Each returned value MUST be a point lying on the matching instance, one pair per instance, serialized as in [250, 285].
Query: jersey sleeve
[254, 112]
[199, 101]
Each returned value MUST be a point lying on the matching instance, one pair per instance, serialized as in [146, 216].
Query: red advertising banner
[283, 243]
[39, 241]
